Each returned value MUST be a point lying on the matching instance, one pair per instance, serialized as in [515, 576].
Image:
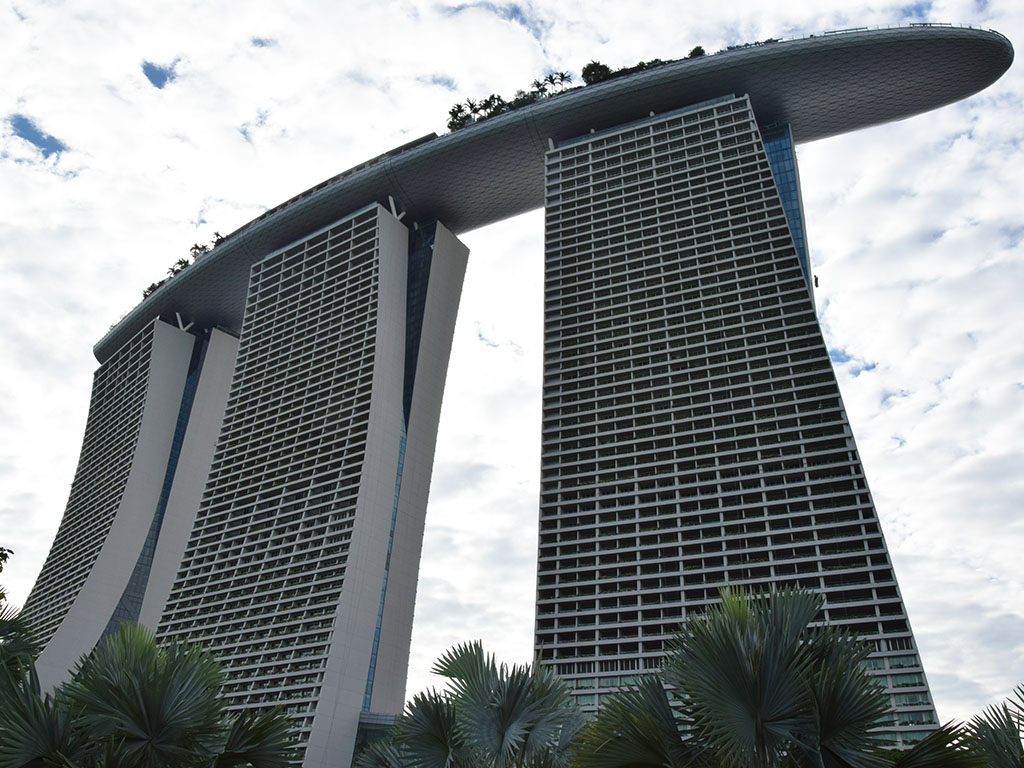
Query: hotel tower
[257, 457]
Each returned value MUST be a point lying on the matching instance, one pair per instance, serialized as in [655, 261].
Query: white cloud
[914, 229]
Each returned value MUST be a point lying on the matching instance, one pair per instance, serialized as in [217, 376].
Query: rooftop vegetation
[197, 250]
[554, 84]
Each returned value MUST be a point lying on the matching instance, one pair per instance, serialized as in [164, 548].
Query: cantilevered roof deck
[821, 86]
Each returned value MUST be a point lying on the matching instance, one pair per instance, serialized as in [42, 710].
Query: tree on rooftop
[458, 117]
[493, 105]
[182, 264]
[596, 72]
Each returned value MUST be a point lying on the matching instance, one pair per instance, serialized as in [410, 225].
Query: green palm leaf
[427, 733]
[17, 649]
[636, 728]
[381, 754]
[499, 716]
[742, 673]
[161, 707]
[34, 731]
[261, 739]
[947, 747]
[847, 702]
[999, 731]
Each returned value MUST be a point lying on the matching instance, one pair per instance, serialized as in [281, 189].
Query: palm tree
[488, 716]
[999, 731]
[457, 117]
[754, 684]
[493, 105]
[4, 554]
[17, 650]
[135, 705]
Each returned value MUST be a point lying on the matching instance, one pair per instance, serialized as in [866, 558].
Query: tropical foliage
[470, 111]
[756, 685]
[488, 716]
[16, 647]
[999, 730]
[751, 683]
[197, 250]
[132, 704]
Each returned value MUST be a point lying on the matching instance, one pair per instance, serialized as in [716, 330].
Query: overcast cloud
[130, 131]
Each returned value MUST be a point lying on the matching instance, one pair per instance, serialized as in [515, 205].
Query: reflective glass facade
[778, 146]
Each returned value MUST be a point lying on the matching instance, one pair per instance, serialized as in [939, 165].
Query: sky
[130, 131]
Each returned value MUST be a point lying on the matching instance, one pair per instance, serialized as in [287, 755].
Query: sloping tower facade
[694, 436]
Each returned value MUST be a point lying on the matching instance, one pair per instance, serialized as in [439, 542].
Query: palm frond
[556, 719]
[427, 734]
[17, 648]
[471, 673]
[847, 701]
[635, 728]
[261, 739]
[380, 754]
[34, 731]
[998, 732]
[742, 674]
[160, 705]
[496, 727]
[947, 747]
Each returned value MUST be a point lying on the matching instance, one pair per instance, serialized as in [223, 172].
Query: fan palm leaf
[846, 701]
[161, 707]
[636, 728]
[946, 747]
[34, 731]
[999, 731]
[743, 673]
[427, 733]
[260, 739]
[17, 650]
[381, 754]
[506, 716]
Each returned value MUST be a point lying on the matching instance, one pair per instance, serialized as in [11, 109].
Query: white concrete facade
[104, 528]
[300, 568]
[265, 495]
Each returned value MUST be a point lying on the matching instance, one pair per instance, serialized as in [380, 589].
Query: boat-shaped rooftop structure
[820, 86]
